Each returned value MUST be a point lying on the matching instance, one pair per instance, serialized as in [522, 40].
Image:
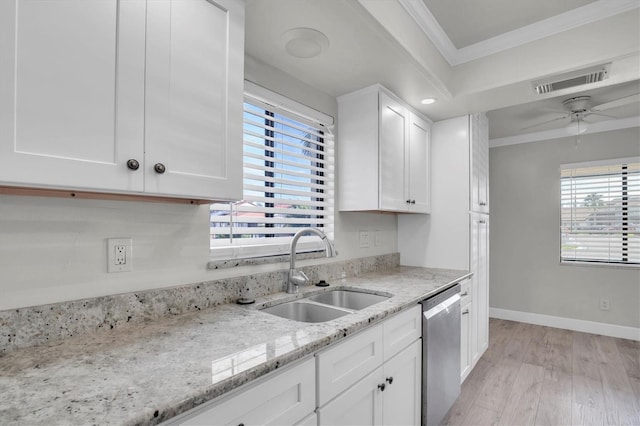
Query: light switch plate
[365, 239]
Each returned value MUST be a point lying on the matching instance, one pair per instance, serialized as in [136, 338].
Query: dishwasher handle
[443, 306]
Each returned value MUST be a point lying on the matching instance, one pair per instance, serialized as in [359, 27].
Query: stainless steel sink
[348, 299]
[325, 306]
[305, 312]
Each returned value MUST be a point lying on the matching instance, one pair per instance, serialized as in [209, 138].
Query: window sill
[264, 260]
[599, 264]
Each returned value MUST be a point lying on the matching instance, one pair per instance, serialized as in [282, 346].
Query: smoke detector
[572, 79]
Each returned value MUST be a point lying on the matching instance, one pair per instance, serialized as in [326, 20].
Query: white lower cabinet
[286, 398]
[371, 378]
[387, 394]
[465, 344]
[467, 313]
[361, 404]
[402, 397]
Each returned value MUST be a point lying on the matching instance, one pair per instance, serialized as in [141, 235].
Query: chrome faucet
[297, 278]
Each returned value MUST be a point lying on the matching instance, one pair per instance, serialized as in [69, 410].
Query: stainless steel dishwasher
[440, 354]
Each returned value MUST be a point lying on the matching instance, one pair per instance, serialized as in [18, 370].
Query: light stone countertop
[147, 373]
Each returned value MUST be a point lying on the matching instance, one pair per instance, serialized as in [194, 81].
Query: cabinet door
[72, 93]
[482, 272]
[394, 175]
[479, 133]
[465, 337]
[347, 362]
[479, 285]
[194, 93]
[419, 162]
[286, 398]
[360, 405]
[402, 396]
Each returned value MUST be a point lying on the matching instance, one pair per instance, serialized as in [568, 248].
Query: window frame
[276, 246]
[625, 199]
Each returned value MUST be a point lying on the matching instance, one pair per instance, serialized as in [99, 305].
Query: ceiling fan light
[576, 127]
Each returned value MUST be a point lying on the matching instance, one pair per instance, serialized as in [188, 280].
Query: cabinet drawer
[285, 398]
[344, 364]
[401, 330]
[466, 295]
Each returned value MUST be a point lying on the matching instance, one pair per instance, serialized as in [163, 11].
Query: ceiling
[480, 21]
[473, 56]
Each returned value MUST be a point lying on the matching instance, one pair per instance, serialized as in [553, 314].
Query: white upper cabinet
[419, 161]
[71, 93]
[393, 180]
[87, 86]
[195, 80]
[383, 157]
[479, 132]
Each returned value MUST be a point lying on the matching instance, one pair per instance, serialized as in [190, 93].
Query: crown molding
[428, 24]
[593, 12]
[601, 126]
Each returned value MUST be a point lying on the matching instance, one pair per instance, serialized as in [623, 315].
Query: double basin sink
[325, 306]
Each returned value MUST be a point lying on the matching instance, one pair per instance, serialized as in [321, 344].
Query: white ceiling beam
[601, 126]
[584, 15]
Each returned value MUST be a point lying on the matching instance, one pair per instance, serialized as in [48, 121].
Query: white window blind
[288, 184]
[600, 212]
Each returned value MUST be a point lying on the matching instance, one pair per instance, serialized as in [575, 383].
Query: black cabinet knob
[159, 168]
[133, 164]
[390, 379]
[413, 201]
[382, 386]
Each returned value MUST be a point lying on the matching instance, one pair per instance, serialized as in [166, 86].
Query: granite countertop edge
[125, 361]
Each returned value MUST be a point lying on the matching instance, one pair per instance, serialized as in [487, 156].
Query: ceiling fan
[578, 108]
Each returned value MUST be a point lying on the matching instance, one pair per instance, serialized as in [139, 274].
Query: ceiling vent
[572, 79]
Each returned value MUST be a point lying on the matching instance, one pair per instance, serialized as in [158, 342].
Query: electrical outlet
[119, 254]
[604, 304]
[364, 239]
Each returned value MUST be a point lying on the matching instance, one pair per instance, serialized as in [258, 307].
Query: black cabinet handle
[382, 386]
[390, 379]
[159, 168]
[133, 164]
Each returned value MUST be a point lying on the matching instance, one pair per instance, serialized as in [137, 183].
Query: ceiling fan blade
[601, 115]
[564, 117]
[618, 102]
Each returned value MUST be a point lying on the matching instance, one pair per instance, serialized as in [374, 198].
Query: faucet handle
[297, 277]
[304, 276]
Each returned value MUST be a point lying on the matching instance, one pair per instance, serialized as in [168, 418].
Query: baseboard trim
[604, 329]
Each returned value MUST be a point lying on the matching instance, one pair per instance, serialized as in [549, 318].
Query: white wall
[54, 249]
[526, 275]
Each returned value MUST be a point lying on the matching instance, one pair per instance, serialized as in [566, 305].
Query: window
[288, 180]
[600, 212]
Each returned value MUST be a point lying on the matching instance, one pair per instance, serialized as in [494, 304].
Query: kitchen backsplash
[41, 324]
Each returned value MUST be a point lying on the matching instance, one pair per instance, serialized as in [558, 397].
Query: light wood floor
[534, 375]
